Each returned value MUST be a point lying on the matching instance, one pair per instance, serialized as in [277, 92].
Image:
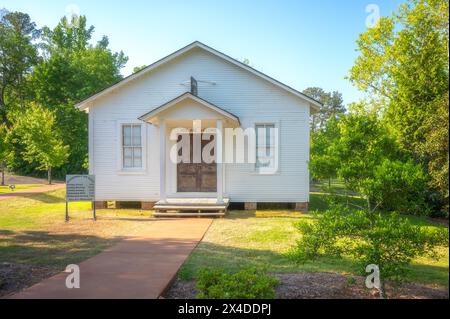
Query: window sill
[132, 172]
[256, 172]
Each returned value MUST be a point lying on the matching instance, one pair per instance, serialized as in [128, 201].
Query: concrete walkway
[31, 191]
[135, 268]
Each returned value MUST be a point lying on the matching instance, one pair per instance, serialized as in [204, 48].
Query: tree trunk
[3, 107]
[382, 289]
[3, 175]
[329, 182]
[369, 208]
[22, 98]
[49, 175]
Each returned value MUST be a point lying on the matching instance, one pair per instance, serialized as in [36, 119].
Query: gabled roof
[153, 113]
[313, 103]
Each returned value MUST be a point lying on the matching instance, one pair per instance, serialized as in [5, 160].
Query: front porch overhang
[189, 111]
[188, 107]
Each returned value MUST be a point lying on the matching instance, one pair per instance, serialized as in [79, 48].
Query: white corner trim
[91, 143]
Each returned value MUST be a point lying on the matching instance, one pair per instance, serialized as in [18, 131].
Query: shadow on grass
[129, 219]
[4, 232]
[30, 256]
[428, 274]
[48, 198]
[244, 214]
[321, 201]
[318, 202]
[42, 248]
[208, 255]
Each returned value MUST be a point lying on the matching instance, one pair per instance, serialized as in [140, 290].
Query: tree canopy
[333, 106]
[18, 54]
[42, 139]
[403, 66]
[54, 68]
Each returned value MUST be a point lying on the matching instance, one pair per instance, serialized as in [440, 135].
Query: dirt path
[17, 179]
[42, 189]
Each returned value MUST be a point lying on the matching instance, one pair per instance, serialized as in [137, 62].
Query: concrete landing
[179, 207]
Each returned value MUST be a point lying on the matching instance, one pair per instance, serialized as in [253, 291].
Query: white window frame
[274, 169]
[120, 164]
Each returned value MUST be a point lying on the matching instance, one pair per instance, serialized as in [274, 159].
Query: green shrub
[248, 283]
[392, 242]
[400, 186]
[386, 240]
[320, 235]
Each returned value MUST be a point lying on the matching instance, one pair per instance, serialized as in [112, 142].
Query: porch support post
[219, 150]
[162, 159]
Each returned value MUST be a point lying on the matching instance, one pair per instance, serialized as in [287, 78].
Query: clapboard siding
[249, 97]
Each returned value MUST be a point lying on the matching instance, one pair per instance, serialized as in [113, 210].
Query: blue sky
[301, 43]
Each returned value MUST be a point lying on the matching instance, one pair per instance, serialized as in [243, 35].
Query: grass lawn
[263, 238]
[36, 242]
[336, 185]
[21, 187]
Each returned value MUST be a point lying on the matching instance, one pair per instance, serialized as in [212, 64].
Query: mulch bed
[325, 286]
[15, 277]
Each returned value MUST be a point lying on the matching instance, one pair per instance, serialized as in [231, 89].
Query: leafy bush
[400, 186]
[392, 242]
[324, 163]
[388, 241]
[361, 151]
[320, 237]
[248, 283]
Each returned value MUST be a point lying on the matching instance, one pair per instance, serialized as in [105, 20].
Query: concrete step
[180, 215]
[188, 207]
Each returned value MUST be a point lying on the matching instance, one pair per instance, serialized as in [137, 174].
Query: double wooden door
[197, 177]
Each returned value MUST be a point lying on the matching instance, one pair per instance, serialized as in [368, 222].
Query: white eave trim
[148, 116]
[315, 105]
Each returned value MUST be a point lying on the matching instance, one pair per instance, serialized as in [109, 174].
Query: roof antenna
[194, 86]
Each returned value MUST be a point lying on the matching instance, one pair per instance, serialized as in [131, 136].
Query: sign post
[80, 188]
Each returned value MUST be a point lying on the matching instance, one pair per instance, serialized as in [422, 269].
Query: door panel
[197, 177]
[208, 178]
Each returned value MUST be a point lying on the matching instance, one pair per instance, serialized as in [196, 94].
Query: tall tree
[436, 148]
[372, 163]
[4, 150]
[18, 54]
[404, 65]
[333, 106]
[324, 164]
[72, 70]
[39, 132]
[136, 69]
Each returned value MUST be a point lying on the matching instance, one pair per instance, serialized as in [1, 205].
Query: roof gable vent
[194, 86]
